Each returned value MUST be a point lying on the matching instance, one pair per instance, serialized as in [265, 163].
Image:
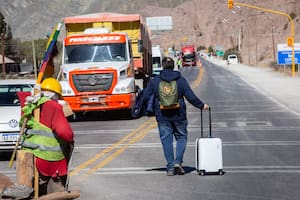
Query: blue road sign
[285, 57]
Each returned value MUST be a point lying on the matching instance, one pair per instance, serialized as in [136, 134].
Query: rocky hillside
[202, 22]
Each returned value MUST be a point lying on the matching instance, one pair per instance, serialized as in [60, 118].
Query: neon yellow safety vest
[38, 138]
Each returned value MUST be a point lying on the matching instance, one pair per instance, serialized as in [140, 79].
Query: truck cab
[157, 56]
[106, 58]
[188, 56]
[97, 71]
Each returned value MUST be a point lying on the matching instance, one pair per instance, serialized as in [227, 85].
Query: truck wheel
[129, 114]
[72, 117]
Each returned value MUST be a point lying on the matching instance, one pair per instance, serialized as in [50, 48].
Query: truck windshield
[156, 62]
[95, 53]
[188, 56]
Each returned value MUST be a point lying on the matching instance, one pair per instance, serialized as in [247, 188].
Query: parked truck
[157, 56]
[188, 56]
[106, 57]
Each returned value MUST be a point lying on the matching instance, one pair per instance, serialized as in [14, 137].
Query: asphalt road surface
[116, 158]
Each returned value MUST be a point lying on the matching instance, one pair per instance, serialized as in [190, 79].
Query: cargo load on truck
[106, 56]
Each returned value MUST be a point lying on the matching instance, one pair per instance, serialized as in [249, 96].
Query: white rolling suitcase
[208, 152]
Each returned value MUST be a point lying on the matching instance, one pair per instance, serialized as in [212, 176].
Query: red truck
[188, 56]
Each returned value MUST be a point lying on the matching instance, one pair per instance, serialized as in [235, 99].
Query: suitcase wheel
[221, 172]
[202, 172]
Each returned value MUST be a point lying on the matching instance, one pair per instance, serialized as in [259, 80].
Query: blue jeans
[166, 131]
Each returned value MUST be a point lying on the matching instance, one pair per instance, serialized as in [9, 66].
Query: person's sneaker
[179, 170]
[170, 173]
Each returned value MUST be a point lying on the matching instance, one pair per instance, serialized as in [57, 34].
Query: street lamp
[290, 39]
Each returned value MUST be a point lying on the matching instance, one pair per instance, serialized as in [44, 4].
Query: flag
[47, 67]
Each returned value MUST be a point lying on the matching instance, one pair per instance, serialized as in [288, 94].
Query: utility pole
[3, 54]
[34, 60]
[255, 39]
[3, 33]
[240, 38]
[273, 43]
[248, 38]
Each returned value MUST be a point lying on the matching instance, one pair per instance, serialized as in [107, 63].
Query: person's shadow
[187, 169]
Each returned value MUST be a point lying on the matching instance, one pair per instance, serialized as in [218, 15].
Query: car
[232, 59]
[11, 110]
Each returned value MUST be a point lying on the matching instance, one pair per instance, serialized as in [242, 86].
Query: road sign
[163, 23]
[284, 54]
[220, 53]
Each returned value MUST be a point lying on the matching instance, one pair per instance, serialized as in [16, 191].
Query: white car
[10, 110]
[232, 59]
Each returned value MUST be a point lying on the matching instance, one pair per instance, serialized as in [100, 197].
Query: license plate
[9, 137]
[93, 99]
[96, 99]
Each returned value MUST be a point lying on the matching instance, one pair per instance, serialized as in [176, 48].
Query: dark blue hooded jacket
[184, 90]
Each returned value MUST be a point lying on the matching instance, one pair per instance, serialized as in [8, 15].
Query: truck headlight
[124, 86]
[66, 89]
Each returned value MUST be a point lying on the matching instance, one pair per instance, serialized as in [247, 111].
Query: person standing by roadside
[173, 120]
[50, 139]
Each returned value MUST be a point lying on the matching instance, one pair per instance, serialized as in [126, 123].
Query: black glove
[67, 149]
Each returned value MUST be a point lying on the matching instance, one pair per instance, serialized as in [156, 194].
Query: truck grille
[93, 82]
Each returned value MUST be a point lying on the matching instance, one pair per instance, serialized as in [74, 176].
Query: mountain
[201, 22]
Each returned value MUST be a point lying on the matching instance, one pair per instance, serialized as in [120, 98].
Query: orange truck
[106, 58]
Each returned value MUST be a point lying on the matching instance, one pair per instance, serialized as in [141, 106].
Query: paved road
[122, 159]
[280, 87]
[261, 142]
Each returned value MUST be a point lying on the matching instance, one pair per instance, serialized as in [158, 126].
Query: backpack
[168, 95]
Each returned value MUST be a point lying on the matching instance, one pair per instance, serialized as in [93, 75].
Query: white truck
[157, 56]
[232, 59]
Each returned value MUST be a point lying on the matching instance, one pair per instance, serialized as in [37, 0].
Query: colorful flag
[47, 67]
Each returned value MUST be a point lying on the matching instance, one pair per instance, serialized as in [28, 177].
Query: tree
[6, 35]
[2, 24]
[2, 33]
[210, 49]
[26, 51]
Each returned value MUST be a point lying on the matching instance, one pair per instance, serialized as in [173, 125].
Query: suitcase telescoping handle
[209, 113]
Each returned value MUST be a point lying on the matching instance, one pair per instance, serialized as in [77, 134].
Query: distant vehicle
[11, 110]
[157, 56]
[188, 56]
[232, 59]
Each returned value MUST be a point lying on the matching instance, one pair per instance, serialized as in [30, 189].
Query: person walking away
[50, 139]
[172, 119]
[178, 62]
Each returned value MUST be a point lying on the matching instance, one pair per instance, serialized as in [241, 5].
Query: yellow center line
[108, 149]
[133, 137]
[199, 78]
[121, 149]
